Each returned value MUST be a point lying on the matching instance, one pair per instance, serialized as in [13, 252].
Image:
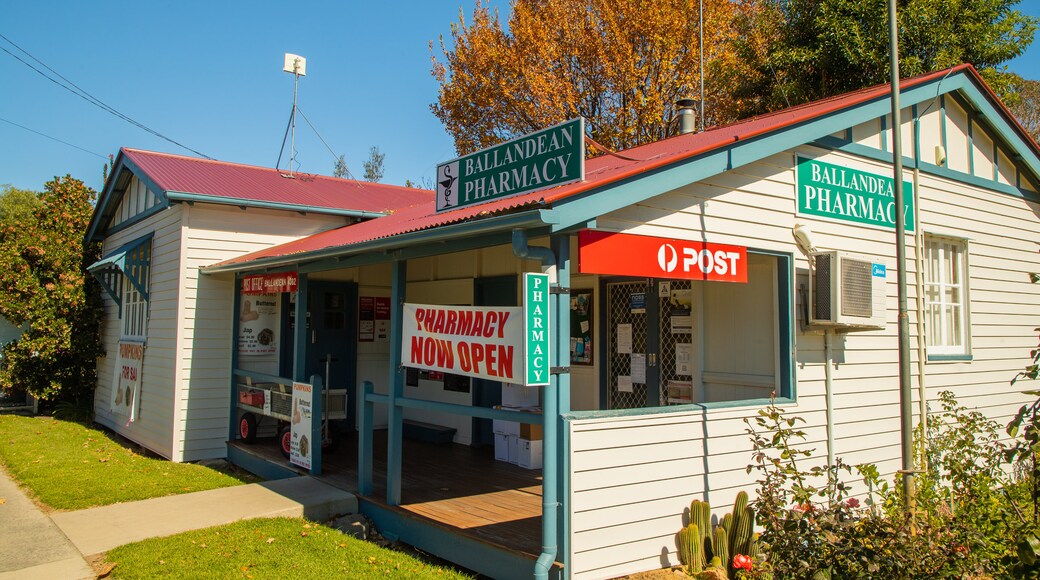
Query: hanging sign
[847, 194]
[301, 446]
[546, 158]
[473, 341]
[653, 257]
[126, 388]
[270, 283]
[536, 329]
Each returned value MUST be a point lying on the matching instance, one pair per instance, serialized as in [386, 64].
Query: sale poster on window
[258, 324]
[126, 388]
[382, 318]
[366, 319]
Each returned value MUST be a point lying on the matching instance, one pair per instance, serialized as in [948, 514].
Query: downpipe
[550, 547]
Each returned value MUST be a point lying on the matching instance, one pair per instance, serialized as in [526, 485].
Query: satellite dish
[295, 64]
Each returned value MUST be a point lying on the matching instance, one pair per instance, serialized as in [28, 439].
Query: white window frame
[134, 315]
[943, 255]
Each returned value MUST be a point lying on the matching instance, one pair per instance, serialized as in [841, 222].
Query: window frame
[941, 346]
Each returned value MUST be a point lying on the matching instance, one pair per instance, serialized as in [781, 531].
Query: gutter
[438, 234]
[550, 410]
[217, 199]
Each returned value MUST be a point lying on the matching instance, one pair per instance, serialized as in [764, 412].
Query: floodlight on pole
[297, 66]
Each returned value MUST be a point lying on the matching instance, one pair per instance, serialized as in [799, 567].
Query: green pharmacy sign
[546, 158]
[536, 329]
[841, 193]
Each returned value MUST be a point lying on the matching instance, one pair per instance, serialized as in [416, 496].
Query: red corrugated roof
[599, 171]
[234, 181]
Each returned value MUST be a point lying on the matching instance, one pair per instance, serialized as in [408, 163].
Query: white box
[530, 454]
[514, 448]
[505, 427]
[501, 447]
[519, 395]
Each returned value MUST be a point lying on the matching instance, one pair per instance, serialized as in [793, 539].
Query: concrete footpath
[33, 545]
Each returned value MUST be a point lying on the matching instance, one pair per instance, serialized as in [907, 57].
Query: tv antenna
[297, 66]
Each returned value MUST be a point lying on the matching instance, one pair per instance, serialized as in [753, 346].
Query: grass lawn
[282, 548]
[70, 466]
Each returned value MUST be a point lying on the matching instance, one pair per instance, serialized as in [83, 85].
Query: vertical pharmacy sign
[536, 329]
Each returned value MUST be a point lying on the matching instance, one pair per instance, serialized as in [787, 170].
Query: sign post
[546, 158]
[536, 329]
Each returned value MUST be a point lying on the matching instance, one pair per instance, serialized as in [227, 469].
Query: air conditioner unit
[847, 292]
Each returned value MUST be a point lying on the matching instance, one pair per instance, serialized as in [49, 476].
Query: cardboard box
[514, 448]
[501, 447]
[529, 454]
[532, 432]
[519, 395]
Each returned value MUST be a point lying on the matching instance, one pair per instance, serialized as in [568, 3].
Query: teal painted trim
[137, 219]
[258, 465]
[942, 129]
[560, 313]
[439, 235]
[423, 250]
[300, 338]
[468, 410]
[243, 202]
[378, 399]
[949, 358]
[366, 455]
[996, 161]
[785, 277]
[109, 199]
[395, 413]
[236, 311]
[848, 135]
[925, 167]
[884, 139]
[317, 432]
[693, 407]
[487, 559]
[614, 196]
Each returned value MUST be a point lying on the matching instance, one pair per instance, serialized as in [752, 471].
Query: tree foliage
[827, 47]
[1026, 107]
[340, 169]
[620, 64]
[42, 261]
[374, 165]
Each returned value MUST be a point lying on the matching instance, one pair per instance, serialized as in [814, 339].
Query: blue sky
[209, 75]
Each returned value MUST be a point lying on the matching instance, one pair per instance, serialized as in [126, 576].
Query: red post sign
[270, 283]
[653, 257]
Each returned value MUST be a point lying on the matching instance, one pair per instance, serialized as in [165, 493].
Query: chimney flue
[687, 115]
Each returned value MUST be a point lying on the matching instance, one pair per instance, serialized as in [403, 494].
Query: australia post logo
[632, 255]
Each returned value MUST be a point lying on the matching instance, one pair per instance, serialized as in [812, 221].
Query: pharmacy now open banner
[474, 341]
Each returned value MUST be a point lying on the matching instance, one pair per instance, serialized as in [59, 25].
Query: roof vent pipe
[687, 115]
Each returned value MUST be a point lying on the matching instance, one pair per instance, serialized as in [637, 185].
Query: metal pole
[700, 44]
[292, 143]
[905, 393]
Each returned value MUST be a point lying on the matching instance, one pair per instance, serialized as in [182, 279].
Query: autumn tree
[42, 271]
[827, 47]
[620, 64]
[1027, 107]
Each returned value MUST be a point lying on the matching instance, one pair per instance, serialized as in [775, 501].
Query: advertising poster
[258, 324]
[581, 327]
[366, 319]
[126, 393]
[301, 447]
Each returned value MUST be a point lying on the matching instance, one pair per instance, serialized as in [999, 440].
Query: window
[125, 274]
[946, 297]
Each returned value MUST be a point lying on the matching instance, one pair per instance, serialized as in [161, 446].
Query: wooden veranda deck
[459, 488]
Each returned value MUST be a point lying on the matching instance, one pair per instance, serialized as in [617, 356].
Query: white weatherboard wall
[213, 234]
[632, 476]
[155, 421]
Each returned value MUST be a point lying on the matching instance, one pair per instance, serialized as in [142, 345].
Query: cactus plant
[721, 545]
[738, 524]
[691, 548]
[700, 547]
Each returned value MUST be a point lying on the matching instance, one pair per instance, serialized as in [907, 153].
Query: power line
[79, 92]
[53, 138]
[333, 153]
